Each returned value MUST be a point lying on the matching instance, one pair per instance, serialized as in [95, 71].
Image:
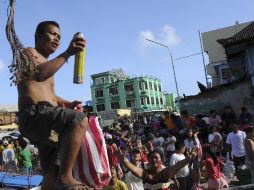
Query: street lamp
[173, 67]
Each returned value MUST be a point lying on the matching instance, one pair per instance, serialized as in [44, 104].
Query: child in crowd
[213, 165]
[215, 141]
[115, 183]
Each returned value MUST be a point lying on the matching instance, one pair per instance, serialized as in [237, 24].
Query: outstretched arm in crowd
[170, 171]
[164, 175]
[139, 172]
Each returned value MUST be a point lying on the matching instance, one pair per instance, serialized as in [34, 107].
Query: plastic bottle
[78, 76]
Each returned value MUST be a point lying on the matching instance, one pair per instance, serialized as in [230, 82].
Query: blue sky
[115, 31]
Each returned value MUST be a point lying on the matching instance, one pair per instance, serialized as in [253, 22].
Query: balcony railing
[115, 97]
[129, 92]
[100, 100]
[130, 95]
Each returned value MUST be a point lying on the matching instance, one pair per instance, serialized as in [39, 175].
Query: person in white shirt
[235, 141]
[158, 140]
[170, 144]
[133, 182]
[182, 177]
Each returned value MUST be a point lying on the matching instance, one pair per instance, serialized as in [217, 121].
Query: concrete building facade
[235, 95]
[115, 90]
[231, 66]
[218, 64]
[170, 101]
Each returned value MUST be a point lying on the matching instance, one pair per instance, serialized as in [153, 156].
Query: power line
[187, 56]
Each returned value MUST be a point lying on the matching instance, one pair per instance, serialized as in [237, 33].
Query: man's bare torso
[32, 91]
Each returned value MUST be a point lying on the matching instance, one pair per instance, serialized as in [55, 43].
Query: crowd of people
[18, 156]
[143, 153]
[148, 152]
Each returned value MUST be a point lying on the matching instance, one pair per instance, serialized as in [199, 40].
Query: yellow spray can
[78, 76]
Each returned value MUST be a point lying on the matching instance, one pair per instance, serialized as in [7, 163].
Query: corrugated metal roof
[244, 35]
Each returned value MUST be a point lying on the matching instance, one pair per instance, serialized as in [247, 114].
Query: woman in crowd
[156, 176]
[213, 166]
[191, 140]
[249, 149]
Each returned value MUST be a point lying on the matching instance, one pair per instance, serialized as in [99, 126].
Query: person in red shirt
[213, 166]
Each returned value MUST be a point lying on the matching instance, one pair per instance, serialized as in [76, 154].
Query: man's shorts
[46, 125]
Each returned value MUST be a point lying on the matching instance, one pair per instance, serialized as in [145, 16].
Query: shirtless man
[56, 131]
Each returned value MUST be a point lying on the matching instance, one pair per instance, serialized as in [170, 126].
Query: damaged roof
[244, 35]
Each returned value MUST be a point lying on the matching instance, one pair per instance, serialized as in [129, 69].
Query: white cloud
[167, 35]
[2, 65]
[143, 35]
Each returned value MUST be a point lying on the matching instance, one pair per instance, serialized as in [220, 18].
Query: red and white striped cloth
[92, 165]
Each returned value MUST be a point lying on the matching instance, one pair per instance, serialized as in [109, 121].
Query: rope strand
[22, 67]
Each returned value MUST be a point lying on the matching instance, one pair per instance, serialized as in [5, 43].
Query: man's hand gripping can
[78, 76]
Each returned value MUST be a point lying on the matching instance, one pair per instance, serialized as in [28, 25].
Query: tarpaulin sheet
[18, 180]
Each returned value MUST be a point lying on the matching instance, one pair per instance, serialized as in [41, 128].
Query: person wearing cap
[8, 156]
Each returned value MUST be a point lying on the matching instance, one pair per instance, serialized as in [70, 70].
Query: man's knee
[83, 124]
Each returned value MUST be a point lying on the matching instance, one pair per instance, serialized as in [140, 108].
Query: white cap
[5, 142]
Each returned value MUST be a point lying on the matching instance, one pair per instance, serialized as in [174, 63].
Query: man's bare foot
[71, 185]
